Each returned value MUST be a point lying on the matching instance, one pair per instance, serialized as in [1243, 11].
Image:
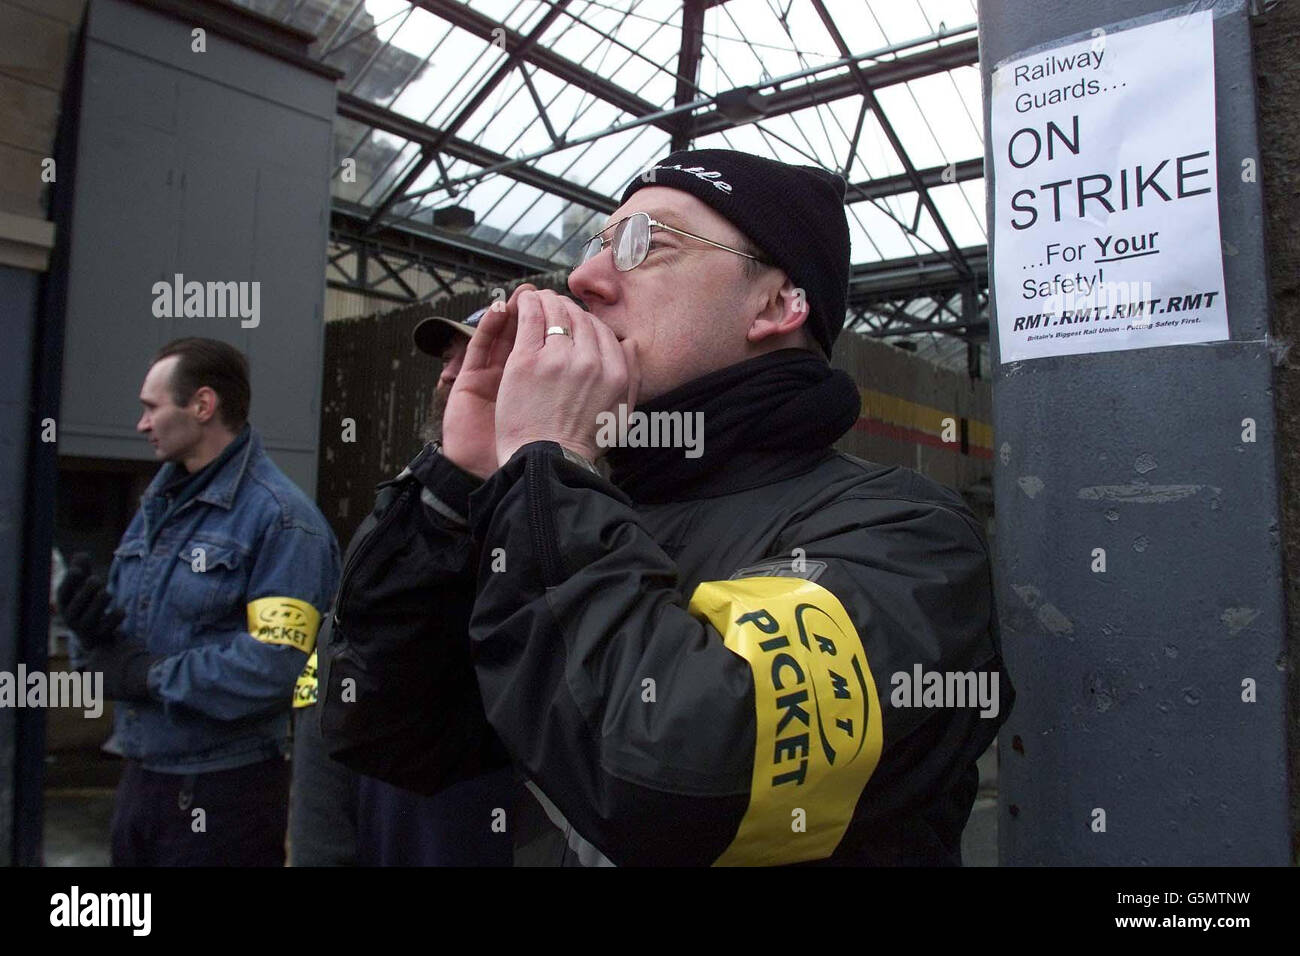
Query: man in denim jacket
[213, 601]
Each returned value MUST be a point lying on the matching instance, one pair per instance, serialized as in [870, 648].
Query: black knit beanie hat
[794, 214]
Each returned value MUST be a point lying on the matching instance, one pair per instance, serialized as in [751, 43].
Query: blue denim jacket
[221, 693]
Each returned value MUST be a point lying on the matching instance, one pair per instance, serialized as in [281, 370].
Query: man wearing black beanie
[706, 652]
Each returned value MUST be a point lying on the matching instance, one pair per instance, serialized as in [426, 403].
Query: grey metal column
[1129, 683]
[214, 166]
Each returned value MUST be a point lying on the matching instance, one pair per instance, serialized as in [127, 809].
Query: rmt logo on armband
[818, 735]
[810, 694]
[279, 620]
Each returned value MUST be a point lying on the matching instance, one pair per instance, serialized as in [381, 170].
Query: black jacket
[729, 678]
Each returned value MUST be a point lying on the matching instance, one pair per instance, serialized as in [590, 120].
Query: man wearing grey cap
[691, 660]
[446, 340]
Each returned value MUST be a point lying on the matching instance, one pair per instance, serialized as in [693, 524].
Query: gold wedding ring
[556, 330]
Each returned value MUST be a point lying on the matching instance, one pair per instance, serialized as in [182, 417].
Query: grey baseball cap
[431, 335]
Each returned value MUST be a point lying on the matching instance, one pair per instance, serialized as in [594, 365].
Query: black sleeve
[566, 631]
[398, 696]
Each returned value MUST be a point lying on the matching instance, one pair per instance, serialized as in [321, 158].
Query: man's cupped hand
[519, 385]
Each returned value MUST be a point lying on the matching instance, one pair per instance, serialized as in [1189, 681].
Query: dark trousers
[455, 827]
[242, 822]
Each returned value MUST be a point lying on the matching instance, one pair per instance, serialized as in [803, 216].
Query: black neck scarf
[765, 419]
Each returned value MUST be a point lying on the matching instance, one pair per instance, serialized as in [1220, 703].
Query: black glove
[84, 604]
[125, 666]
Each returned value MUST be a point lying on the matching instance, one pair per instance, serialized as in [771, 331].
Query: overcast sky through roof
[403, 58]
[937, 118]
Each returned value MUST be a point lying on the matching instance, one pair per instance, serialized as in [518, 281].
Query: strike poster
[1106, 230]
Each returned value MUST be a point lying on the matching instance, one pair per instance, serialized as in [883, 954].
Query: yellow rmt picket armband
[304, 691]
[818, 714]
[284, 620]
